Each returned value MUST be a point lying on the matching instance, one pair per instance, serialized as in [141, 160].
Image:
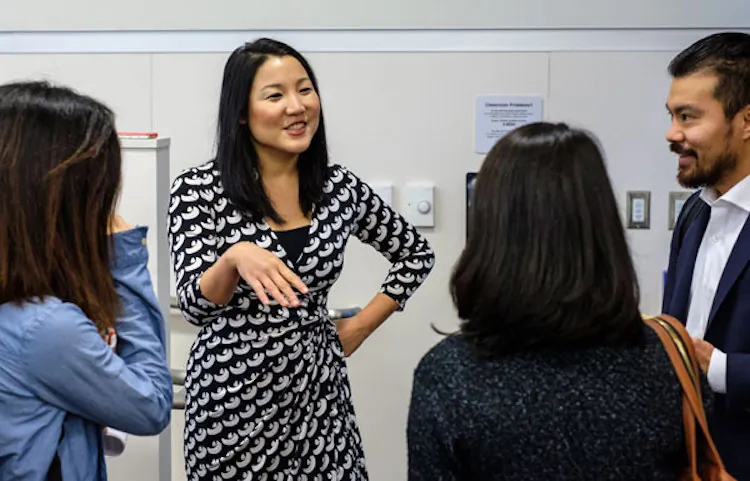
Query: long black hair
[236, 157]
[546, 263]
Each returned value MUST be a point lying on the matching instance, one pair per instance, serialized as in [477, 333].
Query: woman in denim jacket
[71, 273]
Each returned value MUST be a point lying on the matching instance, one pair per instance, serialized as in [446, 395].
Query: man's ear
[745, 112]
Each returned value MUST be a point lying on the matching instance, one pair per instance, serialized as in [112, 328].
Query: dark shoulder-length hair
[236, 157]
[59, 182]
[546, 262]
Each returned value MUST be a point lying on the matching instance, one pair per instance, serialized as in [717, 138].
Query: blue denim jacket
[54, 362]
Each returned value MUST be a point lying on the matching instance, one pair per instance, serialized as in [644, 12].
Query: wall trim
[463, 40]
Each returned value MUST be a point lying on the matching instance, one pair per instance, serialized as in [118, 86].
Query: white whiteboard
[143, 201]
[50, 15]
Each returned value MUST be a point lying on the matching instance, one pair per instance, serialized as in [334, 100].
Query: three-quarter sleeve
[192, 241]
[378, 225]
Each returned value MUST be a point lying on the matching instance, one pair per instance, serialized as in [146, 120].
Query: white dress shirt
[728, 215]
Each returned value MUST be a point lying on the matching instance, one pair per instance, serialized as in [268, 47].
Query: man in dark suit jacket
[708, 281]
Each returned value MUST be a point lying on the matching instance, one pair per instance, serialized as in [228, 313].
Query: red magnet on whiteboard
[137, 135]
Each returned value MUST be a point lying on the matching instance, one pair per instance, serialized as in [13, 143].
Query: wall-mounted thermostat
[420, 205]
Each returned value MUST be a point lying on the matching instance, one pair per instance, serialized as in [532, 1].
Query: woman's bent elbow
[156, 417]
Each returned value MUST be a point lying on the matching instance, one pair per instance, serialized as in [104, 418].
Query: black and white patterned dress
[267, 392]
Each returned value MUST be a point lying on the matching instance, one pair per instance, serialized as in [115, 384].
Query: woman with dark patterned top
[258, 237]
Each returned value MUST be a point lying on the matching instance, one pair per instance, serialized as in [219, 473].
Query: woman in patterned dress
[258, 237]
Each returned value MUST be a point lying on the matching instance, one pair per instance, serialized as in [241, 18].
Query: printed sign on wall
[496, 116]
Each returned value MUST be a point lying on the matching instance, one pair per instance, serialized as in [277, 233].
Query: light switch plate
[384, 190]
[420, 205]
[676, 201]
[639, 209]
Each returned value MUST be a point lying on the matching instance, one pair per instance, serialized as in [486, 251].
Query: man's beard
[703, 172]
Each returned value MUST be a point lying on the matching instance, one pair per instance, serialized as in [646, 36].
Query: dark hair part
[59, 182]
[236, 156]
[546, 263]
[727, 55]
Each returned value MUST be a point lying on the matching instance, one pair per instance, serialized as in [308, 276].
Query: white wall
[347, 14]
[402, 117]
[631, 121]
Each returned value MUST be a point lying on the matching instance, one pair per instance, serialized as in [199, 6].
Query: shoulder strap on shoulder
[679, 348]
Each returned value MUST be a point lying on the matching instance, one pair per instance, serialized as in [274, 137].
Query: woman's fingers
[259, 290]
[293, 279]
[274, 290]
[285, 288]
[269, 276]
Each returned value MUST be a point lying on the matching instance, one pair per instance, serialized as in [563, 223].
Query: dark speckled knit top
[595, 414]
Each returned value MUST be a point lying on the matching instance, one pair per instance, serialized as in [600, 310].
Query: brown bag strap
[681, 353]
